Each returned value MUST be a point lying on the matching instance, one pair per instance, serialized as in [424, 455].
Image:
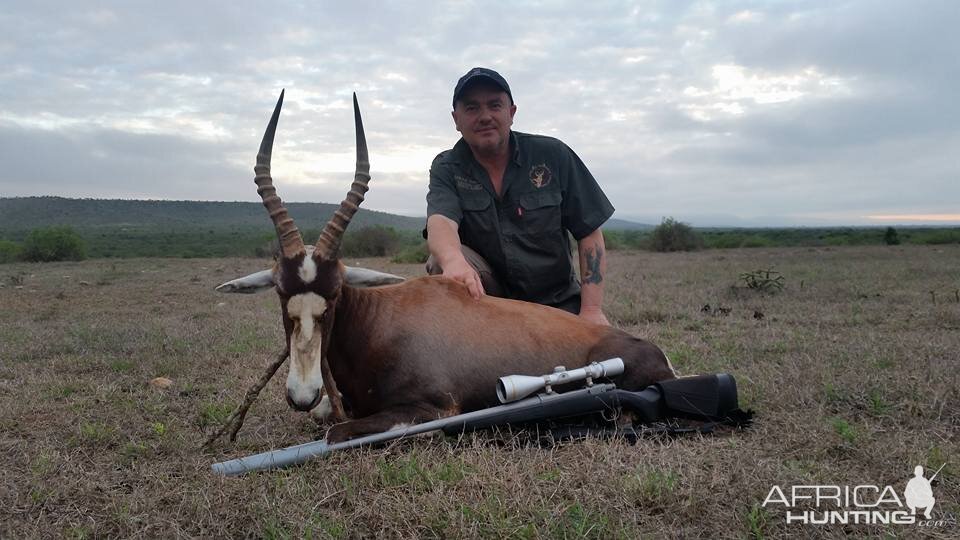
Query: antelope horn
[291, 243]
[329, 242]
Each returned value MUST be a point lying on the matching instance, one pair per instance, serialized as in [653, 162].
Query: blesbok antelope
[416, 350]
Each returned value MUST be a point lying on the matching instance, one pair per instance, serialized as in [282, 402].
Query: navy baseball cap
[478, 73]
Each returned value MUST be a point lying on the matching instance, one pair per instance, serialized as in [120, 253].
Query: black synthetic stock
[710, 396]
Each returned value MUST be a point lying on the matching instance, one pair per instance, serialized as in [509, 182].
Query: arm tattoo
[592, 257]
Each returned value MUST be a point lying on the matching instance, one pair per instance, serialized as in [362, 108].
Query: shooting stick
[235, 420]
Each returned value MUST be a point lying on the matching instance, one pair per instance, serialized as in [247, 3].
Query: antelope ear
[364, 277]
[256, 282]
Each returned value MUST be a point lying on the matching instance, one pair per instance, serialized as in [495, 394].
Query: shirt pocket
[476, 211]
[540, 212]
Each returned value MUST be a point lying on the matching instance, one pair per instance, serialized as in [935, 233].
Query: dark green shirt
[547, 191]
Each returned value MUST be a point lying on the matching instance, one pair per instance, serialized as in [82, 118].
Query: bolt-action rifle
[705, 397]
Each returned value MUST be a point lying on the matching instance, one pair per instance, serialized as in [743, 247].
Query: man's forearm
[593, 269]
[443, 240]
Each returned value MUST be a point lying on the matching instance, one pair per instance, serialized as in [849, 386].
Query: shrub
[673, 235]
[412, 255]
[377, 241]
[613, 240]
[53, 244]
[890, 237]
[9, 251]
[763, 280]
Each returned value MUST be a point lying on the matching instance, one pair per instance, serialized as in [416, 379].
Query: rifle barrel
[596, 396]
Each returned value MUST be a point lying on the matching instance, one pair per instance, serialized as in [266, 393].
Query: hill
[614, 224]
[25, 213]
[19, 214]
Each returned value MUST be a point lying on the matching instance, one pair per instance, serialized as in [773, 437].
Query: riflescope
[514, 387]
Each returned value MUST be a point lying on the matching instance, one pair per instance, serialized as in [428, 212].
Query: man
[501, 203]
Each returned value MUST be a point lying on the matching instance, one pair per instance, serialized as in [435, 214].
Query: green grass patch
[214, 414]
[757, 519]
[578, 521]
[248, 339]
[326, 527]
[44, 463]
[132, 451]
[95, 433]
[63, 391]
[877, 404]
[653, 485]
[845, 430]
[121, 365]
[158, 428]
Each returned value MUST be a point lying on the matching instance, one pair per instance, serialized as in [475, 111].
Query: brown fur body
[426, 349]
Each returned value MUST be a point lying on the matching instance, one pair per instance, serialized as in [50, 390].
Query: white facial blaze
[304, 380]
[308, 270]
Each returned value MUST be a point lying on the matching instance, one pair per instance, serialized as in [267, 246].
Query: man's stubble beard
[493, 149]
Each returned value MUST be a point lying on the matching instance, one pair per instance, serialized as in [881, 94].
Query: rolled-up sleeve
[585, 206]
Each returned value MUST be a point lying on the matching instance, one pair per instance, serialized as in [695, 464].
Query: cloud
[709, 111]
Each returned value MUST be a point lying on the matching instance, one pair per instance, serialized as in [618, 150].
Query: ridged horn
[291, 243]
[329, 242]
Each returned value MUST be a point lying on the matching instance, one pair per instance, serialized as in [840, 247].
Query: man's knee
[432, 266]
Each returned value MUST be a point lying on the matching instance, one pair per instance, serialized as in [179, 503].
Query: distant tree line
[673, 235]
[60, 243]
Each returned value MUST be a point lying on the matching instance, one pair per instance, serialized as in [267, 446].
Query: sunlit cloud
[916, 217]
[736, 89]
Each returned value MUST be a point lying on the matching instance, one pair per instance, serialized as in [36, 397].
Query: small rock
[161, 382]
[85, 283]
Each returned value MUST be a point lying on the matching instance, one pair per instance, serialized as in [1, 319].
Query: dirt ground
[852, 369]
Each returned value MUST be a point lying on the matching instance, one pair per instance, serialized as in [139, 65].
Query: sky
[734, 113]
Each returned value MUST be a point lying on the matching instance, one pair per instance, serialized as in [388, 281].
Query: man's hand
[594, 315]
[462, 272]
[444, 244]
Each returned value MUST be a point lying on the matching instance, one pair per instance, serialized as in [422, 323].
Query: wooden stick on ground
[235, 420]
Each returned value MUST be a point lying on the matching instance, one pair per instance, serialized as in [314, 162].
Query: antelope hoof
[339, 433]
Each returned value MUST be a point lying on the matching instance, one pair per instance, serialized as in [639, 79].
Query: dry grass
[853, 374]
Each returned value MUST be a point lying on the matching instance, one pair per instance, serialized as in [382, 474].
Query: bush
[613, 240]
[890, 237]
[673, 235]
[9, 251]
[412, 255]
[378, 241]
[53, 244]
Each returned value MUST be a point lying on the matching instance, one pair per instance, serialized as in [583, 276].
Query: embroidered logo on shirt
[540, 175]
[467, 183]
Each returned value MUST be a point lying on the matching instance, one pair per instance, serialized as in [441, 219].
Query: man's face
[483, 115]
